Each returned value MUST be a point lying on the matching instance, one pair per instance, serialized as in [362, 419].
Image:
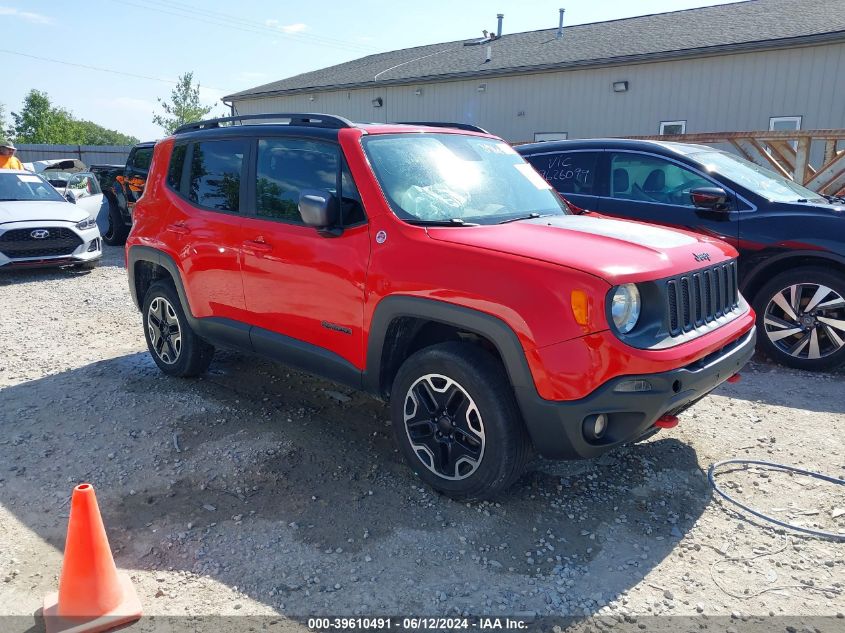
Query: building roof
[745, 25]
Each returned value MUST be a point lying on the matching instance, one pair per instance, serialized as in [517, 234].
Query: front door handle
[179, 229]
[258, 246]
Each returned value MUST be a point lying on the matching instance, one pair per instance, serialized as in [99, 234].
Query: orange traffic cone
[92, 595]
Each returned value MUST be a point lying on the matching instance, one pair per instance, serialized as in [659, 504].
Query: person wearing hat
[8, 160]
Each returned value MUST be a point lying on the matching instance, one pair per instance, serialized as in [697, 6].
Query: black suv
[791, 240]
[122, 186]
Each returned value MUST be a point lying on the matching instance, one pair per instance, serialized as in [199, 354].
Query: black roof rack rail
[298, 118]
[458, 126]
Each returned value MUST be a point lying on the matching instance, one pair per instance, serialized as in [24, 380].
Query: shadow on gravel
[290, 489]
[768, 383]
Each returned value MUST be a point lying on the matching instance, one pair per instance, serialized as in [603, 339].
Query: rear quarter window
[176, 167]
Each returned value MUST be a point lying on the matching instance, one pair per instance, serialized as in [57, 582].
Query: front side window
[571, 172]
[286, 167]
[215, 181]
[28, 187]
[446, 177]
[652, 179]
[762, 181]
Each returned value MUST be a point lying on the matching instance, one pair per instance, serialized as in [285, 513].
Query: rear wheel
[174, 346]
[116, 231]
[457, 423]
[801, 318]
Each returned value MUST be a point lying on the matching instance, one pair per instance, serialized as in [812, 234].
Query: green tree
[184, 105]
[40, 122]
[89, 133]
[4, 125]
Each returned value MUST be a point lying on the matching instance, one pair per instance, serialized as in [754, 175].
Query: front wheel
[801, 318]
[174, 346]
[457, 423]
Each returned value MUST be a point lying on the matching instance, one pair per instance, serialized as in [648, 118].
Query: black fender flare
[148, 254]
[753, 275]
[492, 328]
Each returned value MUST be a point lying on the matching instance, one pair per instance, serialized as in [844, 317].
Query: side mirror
[319, 209]
[709, 198]
[70, 197]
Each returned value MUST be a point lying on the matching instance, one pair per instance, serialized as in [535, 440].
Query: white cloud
[29, 16]
[288, 29]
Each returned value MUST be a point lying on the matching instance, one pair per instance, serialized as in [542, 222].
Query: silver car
[39, 227]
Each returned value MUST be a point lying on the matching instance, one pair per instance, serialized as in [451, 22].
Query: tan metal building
[754, 65]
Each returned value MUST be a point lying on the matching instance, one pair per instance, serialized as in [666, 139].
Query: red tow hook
[735, 378]
[667, 422]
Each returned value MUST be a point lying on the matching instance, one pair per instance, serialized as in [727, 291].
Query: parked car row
[791, 240]
[485, 292]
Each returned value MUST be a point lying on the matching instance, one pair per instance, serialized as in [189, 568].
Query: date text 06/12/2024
[414, 624]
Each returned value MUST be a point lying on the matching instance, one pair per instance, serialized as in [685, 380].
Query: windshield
[760, 180]
[445, 177]
[26, 187]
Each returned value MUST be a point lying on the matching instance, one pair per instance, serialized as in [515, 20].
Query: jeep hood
[618, 251]
[40, 211]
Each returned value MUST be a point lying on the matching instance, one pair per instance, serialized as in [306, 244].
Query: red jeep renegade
[434, 268]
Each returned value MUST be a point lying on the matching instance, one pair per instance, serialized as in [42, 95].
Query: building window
[784, 123]
[673, 128]
[551, 136]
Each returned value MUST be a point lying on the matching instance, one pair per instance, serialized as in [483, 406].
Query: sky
[109, 61]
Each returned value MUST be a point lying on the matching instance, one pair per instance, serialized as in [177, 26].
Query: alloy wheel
[806, 321]
[164, 330]
[444, 427]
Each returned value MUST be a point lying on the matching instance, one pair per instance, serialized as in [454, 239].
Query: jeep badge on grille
[701, 257]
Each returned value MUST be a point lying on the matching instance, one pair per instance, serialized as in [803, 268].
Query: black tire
[117, 231]
[478, 381]
[799, 350]
[190, 355]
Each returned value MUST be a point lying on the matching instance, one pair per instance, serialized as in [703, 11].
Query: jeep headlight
[88, 223]
[625, 307]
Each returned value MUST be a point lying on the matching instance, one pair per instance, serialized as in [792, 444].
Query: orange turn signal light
[580, 307]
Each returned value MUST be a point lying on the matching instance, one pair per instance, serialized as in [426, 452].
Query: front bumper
[556, 426]
[88, 249]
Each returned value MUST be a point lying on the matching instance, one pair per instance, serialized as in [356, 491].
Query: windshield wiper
[530, 216]
[451, 222]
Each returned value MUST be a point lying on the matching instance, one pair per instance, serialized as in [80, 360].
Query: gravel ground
[258, 490]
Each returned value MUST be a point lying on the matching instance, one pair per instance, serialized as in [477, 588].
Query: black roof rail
[458, 126]
[298, 118]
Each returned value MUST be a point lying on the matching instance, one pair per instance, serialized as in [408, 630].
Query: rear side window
[142, 158]
[287, 166]
[215, 177]
[177, 165]
[571, 172]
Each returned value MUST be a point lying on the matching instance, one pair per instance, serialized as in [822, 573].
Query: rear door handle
[258, 246]
[179, 229]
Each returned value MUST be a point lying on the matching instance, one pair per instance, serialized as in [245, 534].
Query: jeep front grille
[697, 299]
[20, 243]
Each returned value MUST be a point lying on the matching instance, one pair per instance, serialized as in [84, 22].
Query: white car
[39, 227]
